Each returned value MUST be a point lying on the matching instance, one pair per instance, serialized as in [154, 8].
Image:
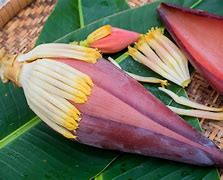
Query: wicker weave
[9, 8]
[20, 34]
[201, 92]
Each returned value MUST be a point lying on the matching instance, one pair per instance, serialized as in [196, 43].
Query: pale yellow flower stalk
[55, 50]
[198, 113]
[144, 47]
[161, 55]
[149, 63]
[163, 83]
[186, 102]
[174, 51]
[165, 51]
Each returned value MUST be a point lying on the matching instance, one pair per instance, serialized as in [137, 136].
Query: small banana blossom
[87, 99]
[108, 39]
[162, 56]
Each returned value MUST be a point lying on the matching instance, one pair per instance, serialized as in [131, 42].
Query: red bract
[121, 115]
[199, 34]
[117, 40]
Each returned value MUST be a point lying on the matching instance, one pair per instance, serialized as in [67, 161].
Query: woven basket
[20, 34]
[9, 8]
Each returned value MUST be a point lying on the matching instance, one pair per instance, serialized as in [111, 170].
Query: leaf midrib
[18, 132]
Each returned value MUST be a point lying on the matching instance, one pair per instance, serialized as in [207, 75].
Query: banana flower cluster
[162, 56]
[108, 39]
[87, 99]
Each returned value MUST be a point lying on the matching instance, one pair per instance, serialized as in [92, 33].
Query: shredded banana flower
[161, 55]
[163, 83]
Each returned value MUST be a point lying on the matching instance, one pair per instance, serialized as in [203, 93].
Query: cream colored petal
[166, 57]
[150, 54]
[142, 59]
[65, 70]
[53, 125]
[198, 113]
[70, 125]
[172, 50]
[56, 91]
[186, 102]
[54, 50]
[61, 78]
[58, 84]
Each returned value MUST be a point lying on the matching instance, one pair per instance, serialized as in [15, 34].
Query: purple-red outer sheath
[122, 115]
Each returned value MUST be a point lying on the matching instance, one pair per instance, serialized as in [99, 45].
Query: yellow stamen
[50, 114]
[59, 102]
[52, 89]
[69, 135]
[50, 123]
[68, 73]
[51, 111]
[166, 58]
[65, 70]
[58, 84]
[153, 31]
[99, 34]
[170, 53]
[60, 79]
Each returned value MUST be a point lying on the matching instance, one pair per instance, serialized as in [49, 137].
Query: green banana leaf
[72, 14]
[29, 150]
[33, 151]
[65, 18]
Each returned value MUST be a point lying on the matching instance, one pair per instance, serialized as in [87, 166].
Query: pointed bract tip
[99, 34]
[113, 39]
